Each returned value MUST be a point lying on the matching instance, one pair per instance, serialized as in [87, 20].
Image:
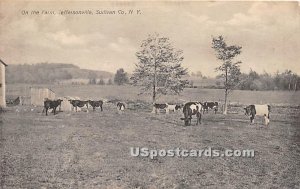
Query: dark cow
[190, 109]
[210, 105]
[258, 110]
[51, 104]
[158, 107]
[95, 104]
[120, 106]
[79, 103]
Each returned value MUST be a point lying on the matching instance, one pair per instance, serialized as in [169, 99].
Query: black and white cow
[158, 107]
[210, 105]
[120, 107]
[97, 103]
[79, 103]
[167, 107]
[258, 110]
[190, 109]
[173, 108]
[51, 104]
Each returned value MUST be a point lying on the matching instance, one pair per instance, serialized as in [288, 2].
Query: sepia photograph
[149, 94]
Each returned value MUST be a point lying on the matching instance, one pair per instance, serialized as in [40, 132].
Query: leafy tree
[159, 69]
[288, 74]
[192, 84]
[109, 82]
[92, 78]
[101, 81]
[247, 81]
[92, 81]
[230, 71]
[121, 77]
[267, 81]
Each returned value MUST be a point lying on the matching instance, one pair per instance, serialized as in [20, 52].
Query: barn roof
[37, 87]
[3, 63]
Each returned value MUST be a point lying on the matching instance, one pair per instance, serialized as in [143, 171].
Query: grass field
[195, 94]
[92, 150]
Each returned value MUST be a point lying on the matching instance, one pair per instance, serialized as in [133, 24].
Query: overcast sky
[267, 31]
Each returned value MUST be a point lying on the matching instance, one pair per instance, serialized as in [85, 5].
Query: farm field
[195, 94]
[92, 150]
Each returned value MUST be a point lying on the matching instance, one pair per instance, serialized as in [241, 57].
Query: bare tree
[230, 71]
[159, 67]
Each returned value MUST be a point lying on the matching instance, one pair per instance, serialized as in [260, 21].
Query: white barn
[38, 95]
[2, 84]
[66, 105]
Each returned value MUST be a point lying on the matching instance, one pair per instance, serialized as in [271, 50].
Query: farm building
[38, 95]
[66, 105]
[2, 84]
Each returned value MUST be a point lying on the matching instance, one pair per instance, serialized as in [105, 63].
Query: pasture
[125, 93]
[92, 150]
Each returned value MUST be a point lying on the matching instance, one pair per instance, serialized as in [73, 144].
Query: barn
[66, 105]
[39, 94]
[2, 84]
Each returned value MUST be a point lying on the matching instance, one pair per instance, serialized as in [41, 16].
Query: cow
[51, 104]
[210, 105]
[120, 106]
[95, 104]
[167, 107]
[158, 107]
[190, 109]
[258, 110]
[79, 103]
[174, 108]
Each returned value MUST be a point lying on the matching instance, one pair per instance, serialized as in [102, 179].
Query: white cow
[258, 110]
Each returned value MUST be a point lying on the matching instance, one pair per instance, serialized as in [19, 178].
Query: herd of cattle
[189, 109]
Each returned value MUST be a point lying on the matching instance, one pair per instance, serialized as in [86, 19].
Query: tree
[101, 81]
[92, 81]
[121, 77]
[109, 82]
[230, 71]
[159, 69]
[92, 78]
[289, 78]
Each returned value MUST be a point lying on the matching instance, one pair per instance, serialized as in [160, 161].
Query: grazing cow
[158, 107]
[210, 105]
[258, 110]
[190, 109]
[120, 107]
[95, 104]
[79, 103]
[51, 104]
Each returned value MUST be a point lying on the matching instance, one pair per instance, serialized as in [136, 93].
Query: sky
[269, 33]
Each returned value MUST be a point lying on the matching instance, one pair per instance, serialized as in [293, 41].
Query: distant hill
[50, 73]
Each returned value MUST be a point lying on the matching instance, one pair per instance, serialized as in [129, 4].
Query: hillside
[50, 73]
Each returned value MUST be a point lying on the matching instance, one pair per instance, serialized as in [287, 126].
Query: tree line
[38, 73]
[286, 80]
[45, 73]
[120, 78]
